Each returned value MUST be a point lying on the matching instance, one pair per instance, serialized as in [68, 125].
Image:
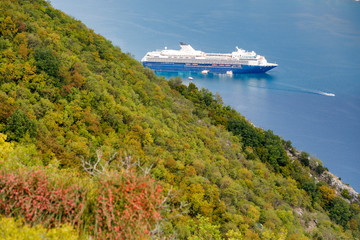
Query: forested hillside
[92, 145]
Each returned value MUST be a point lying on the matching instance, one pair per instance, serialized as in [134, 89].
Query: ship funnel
[186, 47]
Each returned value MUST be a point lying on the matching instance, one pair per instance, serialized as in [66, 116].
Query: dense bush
[340, 212]
[32, 196]
[127, 207]
[12, 229]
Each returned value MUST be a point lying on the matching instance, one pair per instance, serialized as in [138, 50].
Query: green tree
[19, 124]
[203, 229]
[320, 169]
[304, 158]
[46, 61]
[340, 212]
[345, 193]
[251, 137]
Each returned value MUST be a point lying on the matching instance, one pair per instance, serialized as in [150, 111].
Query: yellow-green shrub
[11, 229]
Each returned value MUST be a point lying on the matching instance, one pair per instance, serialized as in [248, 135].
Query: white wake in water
[327, 94]
[292, 88]
[305, 90]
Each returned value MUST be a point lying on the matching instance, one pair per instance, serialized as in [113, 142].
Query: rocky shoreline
[328, 177]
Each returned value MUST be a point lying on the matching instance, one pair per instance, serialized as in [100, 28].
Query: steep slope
[76, 108]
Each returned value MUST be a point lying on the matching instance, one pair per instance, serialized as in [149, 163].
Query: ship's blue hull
[212, 68]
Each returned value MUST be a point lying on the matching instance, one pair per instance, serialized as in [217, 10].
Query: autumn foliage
[124, 207]
[66, 93]
[127, 206]
[32, 196]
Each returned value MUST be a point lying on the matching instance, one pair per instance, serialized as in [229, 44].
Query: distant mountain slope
[76, 108]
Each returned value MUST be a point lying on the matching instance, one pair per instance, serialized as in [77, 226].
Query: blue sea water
[315, 42]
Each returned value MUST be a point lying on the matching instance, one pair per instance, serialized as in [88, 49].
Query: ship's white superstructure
[194, 60]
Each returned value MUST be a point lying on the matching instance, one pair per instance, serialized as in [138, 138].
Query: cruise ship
[187, 59]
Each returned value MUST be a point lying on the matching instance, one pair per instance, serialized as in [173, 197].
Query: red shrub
[31, 196]
[127, 207]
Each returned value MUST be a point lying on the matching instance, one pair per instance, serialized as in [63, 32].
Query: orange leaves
[77, 79]
[21, 40]
[7, 106]
[189, 171]
[92, 121]
[23, 51]
[170, 163]
[72, 77]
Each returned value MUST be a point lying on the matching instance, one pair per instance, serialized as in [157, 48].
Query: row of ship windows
[176, 57]
[243, 57]
[184, 57]
[214, 65]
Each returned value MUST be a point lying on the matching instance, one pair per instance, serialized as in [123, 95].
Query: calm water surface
[315, 43]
